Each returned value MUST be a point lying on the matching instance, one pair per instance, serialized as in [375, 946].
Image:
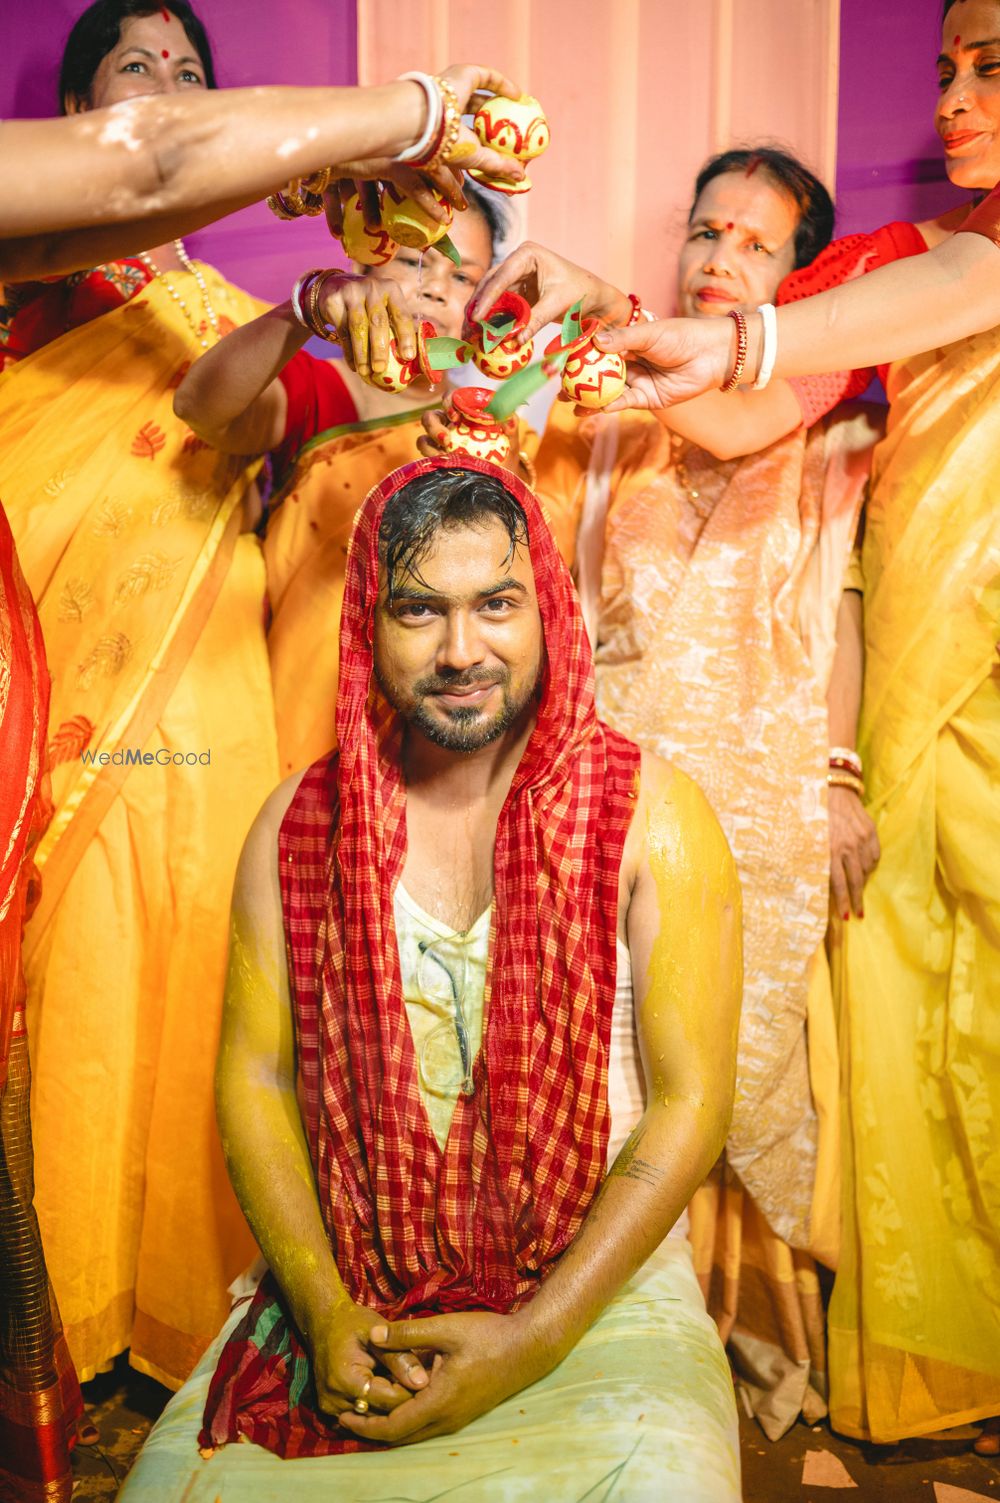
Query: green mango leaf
[572, 323]
[447, 248]
[508, 398]
[444, 354]
[495, 330]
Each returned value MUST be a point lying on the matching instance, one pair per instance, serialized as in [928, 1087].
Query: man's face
[459, 650]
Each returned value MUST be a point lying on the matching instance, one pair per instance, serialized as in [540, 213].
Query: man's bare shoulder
[262, 842]
[675, 829]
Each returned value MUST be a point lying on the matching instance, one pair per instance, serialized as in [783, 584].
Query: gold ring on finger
[361, 1405]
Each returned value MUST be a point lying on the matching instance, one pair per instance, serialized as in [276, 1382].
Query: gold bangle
[314, 316]
[846, 780]
[452, 125]
[318, 182]
[278, 207]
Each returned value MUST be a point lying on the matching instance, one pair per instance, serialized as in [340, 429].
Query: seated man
[482, 953]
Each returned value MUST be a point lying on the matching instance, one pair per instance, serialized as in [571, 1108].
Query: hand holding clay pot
[503, 359]
[398, 374]
[591, 377]
[409, 224]
[367, 247]
[470, 428]
[515, 128]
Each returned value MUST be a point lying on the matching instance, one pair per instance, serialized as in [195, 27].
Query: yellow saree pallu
[162, 748]
[716, 593]
[915, 1314]
[305, 553]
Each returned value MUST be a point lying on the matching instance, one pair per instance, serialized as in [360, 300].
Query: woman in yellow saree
[162, 740]
[913, 1324]
[913, 1327]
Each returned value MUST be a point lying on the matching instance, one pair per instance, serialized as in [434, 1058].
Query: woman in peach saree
[712, 587]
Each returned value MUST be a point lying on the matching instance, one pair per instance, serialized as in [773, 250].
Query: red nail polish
[861, 914]
[846, 917]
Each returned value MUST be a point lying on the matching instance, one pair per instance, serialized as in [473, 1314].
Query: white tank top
[444, 987]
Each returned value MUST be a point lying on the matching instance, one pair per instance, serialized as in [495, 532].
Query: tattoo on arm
[628, 1164]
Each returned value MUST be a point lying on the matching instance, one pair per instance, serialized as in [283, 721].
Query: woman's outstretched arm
[88, 188]
[918, 304]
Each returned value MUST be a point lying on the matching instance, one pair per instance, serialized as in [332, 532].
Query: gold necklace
[188, 265]
[678, 446]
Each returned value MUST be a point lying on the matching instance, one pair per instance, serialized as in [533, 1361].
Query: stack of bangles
[845, 770]
[444, 121]
[768, 348]
[305, 300]
[437, 142]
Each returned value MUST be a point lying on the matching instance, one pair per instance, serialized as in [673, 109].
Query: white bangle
[434, 108]
[770, 350]
[295, 298]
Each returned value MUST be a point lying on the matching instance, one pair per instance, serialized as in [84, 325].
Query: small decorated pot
[409, 224]
[507, 357]
[517, 128]
[471, 429]
[591, 377]
[398, 374]
[359, 243]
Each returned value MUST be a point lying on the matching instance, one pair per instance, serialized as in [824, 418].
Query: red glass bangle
[742, 346]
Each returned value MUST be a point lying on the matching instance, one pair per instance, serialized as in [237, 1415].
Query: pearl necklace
[188, 265]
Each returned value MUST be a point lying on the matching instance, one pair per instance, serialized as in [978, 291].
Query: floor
[810, 1465]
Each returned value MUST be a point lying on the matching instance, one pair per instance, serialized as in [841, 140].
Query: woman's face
[968, 111]
[154, 55]
[439, 290]
[740, 245]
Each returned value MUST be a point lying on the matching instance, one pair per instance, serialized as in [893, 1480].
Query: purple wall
[890, 162]
[255, 42]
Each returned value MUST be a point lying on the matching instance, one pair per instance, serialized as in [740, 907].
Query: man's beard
[465, 728]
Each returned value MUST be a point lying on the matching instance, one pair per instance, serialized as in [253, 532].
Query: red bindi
[730, 225]
[164, 53]
[957, 42]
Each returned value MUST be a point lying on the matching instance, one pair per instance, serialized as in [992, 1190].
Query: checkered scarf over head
[417, 1230]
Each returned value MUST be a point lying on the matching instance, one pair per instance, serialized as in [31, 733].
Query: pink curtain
[638, 94]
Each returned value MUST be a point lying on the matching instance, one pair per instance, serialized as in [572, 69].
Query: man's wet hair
[443, 500]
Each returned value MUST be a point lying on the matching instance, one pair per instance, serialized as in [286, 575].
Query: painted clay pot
[398, 374]
[506, 357]
[591, 377]
[410, 225]
[517, 128]
[359, 243]
[471, 429]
